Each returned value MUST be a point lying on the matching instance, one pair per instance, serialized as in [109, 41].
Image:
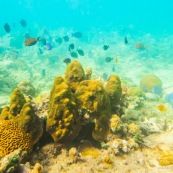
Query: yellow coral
[114, 90]
[133, 128]
[12, 137]
[16, 103]
[93, 98]
[115, 121]
[90, 151]
[74, 74]
[23, 115]
[166, 158]
[63, 121]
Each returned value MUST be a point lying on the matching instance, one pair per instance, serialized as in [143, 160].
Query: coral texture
[74, 74]
[63, 121]
[13, 137]
[94, 99]
[23, 115]
[114, 90]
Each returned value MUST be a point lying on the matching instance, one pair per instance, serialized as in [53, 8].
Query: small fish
[74, 54]
[23, 23]
[113, 68]
[31, 41]
[71, 47]
[67, 61]
[43, 73]
[48, 46]
[7, 27]
[162, 108]
[108, 59]
[125, 40]
[59, 40]
[80, 52]
[66, 38]
[77, 34]
[105, 47]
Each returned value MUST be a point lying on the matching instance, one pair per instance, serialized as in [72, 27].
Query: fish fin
[38, 38]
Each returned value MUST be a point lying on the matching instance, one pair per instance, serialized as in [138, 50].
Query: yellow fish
[162, 108]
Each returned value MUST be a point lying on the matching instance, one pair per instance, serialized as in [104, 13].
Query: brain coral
[23, 115]
[63, 121]
[93, 98]
[149, 82]
[114, 90]
[74, 74]
[12, 137]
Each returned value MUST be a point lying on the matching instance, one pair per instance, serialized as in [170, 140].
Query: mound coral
[114, 90]
[63, 121]
[151, 83]
[23, 115]
[74, 74]
[94, 99]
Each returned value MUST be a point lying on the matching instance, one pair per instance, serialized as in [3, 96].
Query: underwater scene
[86, 86]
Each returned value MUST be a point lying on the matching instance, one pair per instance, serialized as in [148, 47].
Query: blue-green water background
[146, 15]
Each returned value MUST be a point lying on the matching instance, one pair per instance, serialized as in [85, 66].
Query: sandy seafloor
[20, 63]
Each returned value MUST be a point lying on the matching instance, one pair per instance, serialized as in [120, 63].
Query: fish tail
[38, 38]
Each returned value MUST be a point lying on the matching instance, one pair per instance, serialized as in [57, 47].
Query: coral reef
[27, 88]
[63, 121]
[74, 74]
[150, 83]
[23, 115]
[94, 99]
[114, 90]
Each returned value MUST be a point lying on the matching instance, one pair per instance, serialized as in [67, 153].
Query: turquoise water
[100, 22]
[146, 16]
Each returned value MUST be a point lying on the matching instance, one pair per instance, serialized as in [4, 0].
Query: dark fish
[113, 68]
[125, 40]
[80, 52]
[43, 73]
[66, 38]
[108, 59]
[59, 40]
[77, 34]
[105, 76]
[7, 27]
[31, 41]
[23, 23]
[67, 60]
[105, 47]
[71, 47]
[74, 54]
